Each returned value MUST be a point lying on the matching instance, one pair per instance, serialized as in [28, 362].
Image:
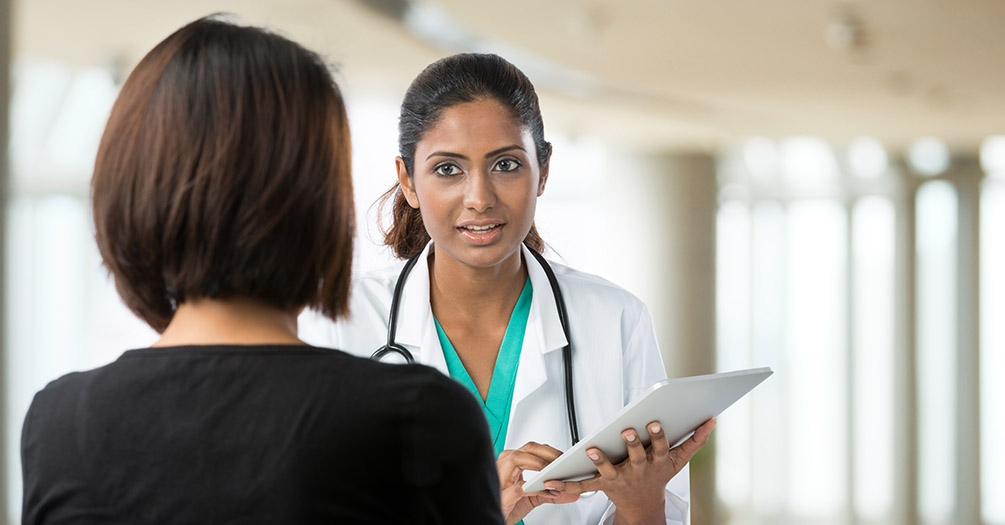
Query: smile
[481, 228]
[481, 234]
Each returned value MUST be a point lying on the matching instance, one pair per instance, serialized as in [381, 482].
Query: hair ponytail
[449, 81]
[407, 234]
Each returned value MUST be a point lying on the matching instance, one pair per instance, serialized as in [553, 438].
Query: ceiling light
[845, 33]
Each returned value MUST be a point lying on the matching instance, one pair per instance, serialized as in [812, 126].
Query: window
[811, 257]
[992, 356]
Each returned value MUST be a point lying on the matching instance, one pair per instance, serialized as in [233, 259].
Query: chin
[485, 256]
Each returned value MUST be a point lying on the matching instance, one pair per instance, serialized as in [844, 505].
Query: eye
[446, 170]
[507, 165]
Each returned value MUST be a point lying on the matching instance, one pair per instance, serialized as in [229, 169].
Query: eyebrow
[487, 155]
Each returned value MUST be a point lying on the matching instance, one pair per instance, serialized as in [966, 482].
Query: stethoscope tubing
[391, 346]
[392, 319]
[563, 317]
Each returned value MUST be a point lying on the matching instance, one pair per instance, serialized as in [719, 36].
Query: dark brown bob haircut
[224, 171]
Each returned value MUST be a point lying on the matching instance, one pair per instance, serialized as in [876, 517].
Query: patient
[222, 206]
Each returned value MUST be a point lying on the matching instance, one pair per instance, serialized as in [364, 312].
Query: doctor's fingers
[637, 456]
[511, 468]
[605, 468]
[576, 487]
[681, 454]
[531, 456]
[606, 474]
[514, 492]
[512, 463]
[547, 452]
[659, 447]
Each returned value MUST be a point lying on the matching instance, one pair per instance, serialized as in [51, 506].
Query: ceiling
[649, 74]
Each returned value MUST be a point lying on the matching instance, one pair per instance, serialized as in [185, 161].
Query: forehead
[472, 126]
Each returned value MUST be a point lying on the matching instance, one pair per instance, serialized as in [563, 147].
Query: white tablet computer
[680, 405]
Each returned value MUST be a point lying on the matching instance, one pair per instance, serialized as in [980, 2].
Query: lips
[479, 229]
[481, 232]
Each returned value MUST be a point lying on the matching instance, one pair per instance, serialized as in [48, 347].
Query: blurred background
[818, 187]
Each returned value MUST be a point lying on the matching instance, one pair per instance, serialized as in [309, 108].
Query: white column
[673, 202]
[674, 199]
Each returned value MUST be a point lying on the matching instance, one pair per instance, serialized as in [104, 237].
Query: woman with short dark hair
[222, 207]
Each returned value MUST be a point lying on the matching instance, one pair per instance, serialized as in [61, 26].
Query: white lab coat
[615, 358]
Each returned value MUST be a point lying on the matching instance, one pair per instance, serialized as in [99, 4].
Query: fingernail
[630, 437]
[655, 429]
[552, 486]
[593, 455]
[554, 492]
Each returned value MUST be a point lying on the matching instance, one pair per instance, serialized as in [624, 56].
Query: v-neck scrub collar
[500, 395]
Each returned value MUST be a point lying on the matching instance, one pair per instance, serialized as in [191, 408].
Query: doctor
[478, 304]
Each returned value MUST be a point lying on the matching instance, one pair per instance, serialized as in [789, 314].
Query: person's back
[262, 434]
[222, 204]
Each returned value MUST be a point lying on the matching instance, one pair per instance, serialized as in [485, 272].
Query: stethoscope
[391, 347]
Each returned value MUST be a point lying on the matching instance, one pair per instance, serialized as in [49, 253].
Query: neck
[458, 289]
[232, 321]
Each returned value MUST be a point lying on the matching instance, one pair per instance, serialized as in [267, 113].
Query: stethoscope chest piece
[394, 354]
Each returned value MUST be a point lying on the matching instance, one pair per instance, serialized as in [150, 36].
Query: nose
[479, 192]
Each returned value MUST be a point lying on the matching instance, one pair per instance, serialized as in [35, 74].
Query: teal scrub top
[500, 394]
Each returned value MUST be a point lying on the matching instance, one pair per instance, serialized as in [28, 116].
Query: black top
[256, 434]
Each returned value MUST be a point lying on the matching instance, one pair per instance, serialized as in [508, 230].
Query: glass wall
[937, 306]
[872, 291]
[811, 247]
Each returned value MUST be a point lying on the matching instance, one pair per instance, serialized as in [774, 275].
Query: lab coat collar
[544, 334]
[543, 310]
[417, 331]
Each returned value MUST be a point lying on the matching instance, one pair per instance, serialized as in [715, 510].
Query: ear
[544, 175]
[405, 182]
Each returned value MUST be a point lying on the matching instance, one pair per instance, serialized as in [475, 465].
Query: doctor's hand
[516, 503]
[636, 485]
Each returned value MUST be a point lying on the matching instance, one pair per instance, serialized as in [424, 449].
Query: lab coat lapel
[544, 334]
[416, 329]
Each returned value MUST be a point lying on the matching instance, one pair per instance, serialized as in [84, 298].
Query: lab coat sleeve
[317, 330]
[643, 367]
[642, 361]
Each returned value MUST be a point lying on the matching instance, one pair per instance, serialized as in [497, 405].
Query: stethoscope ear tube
[391, 347]
[570, 403]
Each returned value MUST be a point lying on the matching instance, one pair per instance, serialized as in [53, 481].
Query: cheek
[433, 206]
[526, 202]
[531, 210]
